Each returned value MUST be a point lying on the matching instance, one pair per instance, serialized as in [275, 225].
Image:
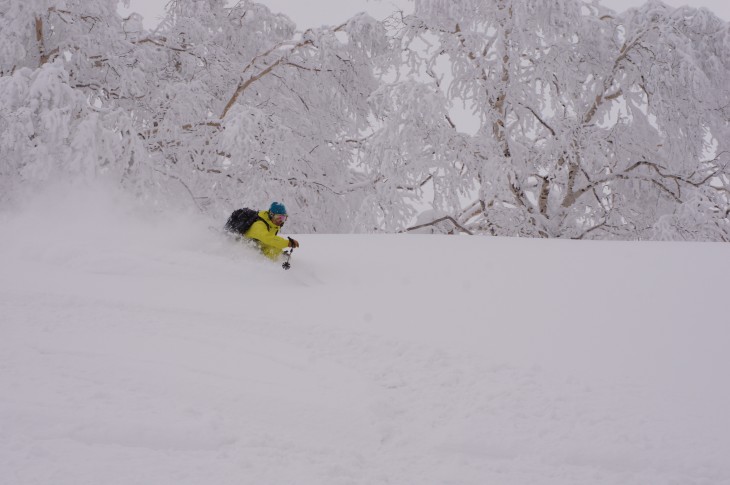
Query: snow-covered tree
[228, 103]
[56, 72]
[591, 124]
[261, 113]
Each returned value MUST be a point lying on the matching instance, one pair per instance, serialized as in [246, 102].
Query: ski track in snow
[189, 361]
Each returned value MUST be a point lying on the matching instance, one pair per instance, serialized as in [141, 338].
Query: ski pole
[286, 264]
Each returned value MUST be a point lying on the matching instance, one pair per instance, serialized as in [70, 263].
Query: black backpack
[241, 220]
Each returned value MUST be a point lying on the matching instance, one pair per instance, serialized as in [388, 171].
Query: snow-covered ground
[137, 348]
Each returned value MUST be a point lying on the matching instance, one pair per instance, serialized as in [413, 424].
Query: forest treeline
[589, 124]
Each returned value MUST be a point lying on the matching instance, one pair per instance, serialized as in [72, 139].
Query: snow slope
[138, 348]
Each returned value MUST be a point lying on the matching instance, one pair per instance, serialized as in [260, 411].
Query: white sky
[314, 13]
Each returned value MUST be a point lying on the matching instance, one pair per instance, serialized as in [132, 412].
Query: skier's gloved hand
[293, 243]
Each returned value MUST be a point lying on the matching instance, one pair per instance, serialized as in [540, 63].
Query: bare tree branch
[441, 219]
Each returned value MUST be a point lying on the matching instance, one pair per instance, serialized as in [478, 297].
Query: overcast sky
[314, 13]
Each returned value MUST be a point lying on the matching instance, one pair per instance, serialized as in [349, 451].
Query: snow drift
[145, 348]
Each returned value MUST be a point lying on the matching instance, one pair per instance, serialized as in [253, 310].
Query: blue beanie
[277, 208]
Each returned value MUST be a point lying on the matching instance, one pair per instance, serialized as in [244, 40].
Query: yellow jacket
[264, 232]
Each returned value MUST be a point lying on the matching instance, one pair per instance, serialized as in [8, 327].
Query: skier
[264, 231]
